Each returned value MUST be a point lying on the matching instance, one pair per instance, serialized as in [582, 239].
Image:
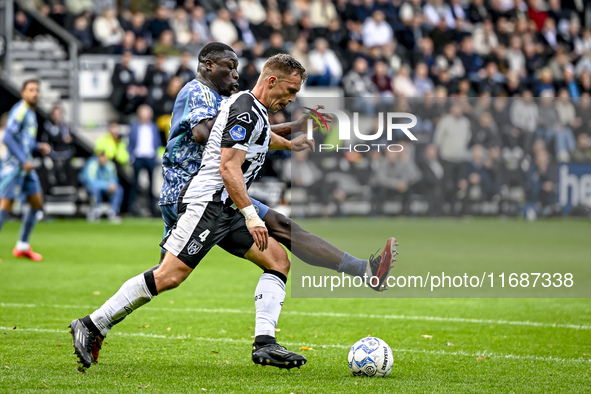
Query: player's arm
[202, 130]
[231, 172]
[297, 144]
[298, 125]
[13, 125]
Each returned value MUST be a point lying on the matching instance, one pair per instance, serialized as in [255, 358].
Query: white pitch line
[334, 314]
[320, 346]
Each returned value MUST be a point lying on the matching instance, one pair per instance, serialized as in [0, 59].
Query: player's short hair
[213, 51]
[28, 81]
[283, 64]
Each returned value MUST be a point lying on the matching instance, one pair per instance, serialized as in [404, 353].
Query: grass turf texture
[198, 337]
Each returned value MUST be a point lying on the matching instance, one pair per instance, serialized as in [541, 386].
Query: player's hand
[302, 123]
[27, 166]
[302, 142]
[259, 232]
[44, 148]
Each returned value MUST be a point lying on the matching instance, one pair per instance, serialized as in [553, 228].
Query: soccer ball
[370, 357]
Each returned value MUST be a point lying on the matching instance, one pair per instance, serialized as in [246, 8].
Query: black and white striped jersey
[242, 123]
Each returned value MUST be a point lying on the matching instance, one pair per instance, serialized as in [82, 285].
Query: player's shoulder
[20, 109]
[246, 102]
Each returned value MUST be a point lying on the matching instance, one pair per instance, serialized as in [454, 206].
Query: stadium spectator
[290, 29]
[485, 39]
[185, 71]
[582, 153]
[321, 13]
[358, 83]
[485, 133]
[126, 45]
[181, 26]
[326, 68]
[449, 61]
[144, 142]
[515, 57]
[431, 183]
[471, 61]
[81, 31]
[376, 31]
[402, 83]
[276, 45]
[99, 176]
[382, 82]
[222, 29]
[139, 26]
[475, 182]
[423, 84]
[156, 79]
[438, 11]
[541, 185]
[524, 114]
[57, 134]
[396, 175]
[247, 38]
[199, 24]
[300, 51]
[159, 23]
[165, 45]
[163, 107]
[113, 146]
[107, 30]
[452, 136]
[253, 10]
[127, 93]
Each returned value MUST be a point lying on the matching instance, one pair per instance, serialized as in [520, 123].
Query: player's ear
[272, 81]
[209, 65]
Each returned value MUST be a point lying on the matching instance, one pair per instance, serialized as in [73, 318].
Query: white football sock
[268, 300]
[22, 246]
[133, 294]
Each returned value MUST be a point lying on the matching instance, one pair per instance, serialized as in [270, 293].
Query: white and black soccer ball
[370, 357]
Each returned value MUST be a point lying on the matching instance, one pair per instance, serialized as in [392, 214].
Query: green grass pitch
[198, 337]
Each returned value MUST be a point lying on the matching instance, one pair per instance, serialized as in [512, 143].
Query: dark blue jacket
[133, 139]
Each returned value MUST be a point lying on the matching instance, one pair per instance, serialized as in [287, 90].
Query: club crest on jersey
[194, 247]
[244, 117]
[238, 133]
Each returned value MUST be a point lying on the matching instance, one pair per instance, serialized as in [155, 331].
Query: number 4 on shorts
[203, 235]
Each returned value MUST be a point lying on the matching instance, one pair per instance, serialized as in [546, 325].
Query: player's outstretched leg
[316, 251]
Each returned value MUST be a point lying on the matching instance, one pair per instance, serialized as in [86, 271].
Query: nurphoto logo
[394, 121]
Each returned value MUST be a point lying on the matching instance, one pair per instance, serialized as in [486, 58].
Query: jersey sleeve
[202, 105]
[241, 123]
[13, 125]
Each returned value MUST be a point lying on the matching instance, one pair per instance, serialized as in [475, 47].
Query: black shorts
[202, 225]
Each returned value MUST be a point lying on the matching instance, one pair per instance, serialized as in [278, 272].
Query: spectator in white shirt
[376, 31]
[326, 67]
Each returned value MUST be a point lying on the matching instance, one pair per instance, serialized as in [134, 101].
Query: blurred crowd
[410, 47]
[526, 64]
[470, 152]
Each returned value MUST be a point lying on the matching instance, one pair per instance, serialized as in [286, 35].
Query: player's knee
[280, 260]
